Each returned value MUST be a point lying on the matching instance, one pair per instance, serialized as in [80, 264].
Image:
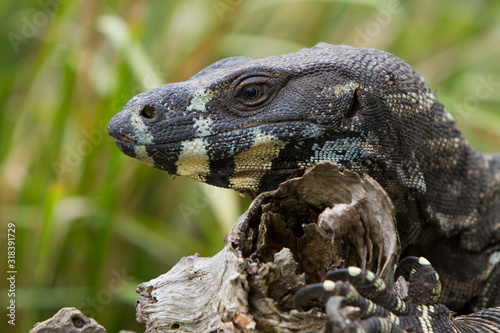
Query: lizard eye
[252, 92]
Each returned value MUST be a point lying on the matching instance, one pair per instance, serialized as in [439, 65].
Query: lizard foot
[357, 300]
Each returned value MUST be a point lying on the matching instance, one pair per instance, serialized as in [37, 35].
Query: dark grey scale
[407, 228]
[122, 130]
[287, 164]
[270, 179]
[221, 150]
[220, 171]
[165, 156]
[295, 152]
[126, 148]
[228, 144]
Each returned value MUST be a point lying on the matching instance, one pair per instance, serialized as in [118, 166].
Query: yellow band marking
[193, 162]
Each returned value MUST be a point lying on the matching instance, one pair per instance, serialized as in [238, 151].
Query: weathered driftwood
[288, 238]
[68, 320]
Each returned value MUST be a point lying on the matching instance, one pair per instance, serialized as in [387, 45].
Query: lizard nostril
[148, 112]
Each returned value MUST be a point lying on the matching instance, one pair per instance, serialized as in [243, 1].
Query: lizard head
[249, 124]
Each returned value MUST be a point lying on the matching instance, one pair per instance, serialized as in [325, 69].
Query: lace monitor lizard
[249, 124]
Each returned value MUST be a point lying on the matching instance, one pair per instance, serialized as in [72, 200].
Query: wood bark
[288, 238]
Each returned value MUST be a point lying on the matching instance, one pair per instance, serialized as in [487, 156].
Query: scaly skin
[249, 124]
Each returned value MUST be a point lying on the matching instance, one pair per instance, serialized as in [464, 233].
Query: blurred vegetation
[92, 223]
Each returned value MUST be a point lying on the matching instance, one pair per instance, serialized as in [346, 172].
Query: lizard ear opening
[354, 108]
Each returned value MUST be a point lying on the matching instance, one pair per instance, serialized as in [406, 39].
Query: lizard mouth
[257, 144]
[242, 171]
[280, 130]
[245, 158]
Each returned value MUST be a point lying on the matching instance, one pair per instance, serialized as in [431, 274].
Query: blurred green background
[91, 223]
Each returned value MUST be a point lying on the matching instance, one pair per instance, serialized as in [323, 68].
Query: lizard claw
[424, 286]
[357, 300]
[312, 294]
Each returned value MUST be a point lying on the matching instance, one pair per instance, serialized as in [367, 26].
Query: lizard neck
[487, 231]
[462, 195]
